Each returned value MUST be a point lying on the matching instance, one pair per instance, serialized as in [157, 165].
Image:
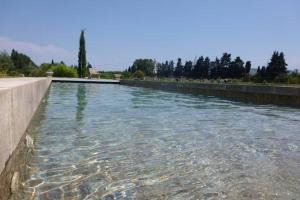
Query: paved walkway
[6, 83]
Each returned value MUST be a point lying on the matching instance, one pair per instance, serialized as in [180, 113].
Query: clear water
[115, 142]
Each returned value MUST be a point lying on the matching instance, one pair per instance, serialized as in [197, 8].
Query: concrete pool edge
[19, 100]
[278, 95]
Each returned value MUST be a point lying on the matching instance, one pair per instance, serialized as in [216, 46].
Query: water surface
[115, 142]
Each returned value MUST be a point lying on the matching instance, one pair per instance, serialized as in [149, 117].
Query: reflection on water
[81, 101]
[117, 142]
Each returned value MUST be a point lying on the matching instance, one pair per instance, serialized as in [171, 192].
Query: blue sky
[119, 31]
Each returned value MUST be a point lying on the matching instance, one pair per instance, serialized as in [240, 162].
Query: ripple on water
[116, 142]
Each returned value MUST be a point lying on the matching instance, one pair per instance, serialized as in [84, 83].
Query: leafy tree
[224, 67]
[21, 60]
[23, 63]
[6, 64]
[133, 69]
[61, 70]
[82, 69]
[139, 74]
[38, 72]
[145, 65]
[46, 66]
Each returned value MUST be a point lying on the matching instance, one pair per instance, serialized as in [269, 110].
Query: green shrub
[294, 79]
[6, 64]
[38, 72]
[256, 79]
[107, 75]
[62, 70]
[3, 74]
[27, 70]
[126, 75]
[139, 74]
[246, 78]
[13, 73]
[46, 66]
[281, 78]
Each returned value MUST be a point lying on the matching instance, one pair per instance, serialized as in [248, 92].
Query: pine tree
[197, 68]
[276, 66]
[170, 68]
[205, 70]
[214, 68]
[179, 68]
[188, 69]
[263, 72]
[236, 68]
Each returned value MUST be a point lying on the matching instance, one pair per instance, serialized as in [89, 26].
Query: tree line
[201, 68]
[204, 68]
[16, 64]
[275, 68]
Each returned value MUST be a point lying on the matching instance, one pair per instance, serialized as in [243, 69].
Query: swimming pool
[96, 141]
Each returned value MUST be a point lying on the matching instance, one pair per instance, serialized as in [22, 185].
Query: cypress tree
[205, 70]
[188, 67]
[179, 68]
[197, 68]
[171, 68]
[248, 67]
[81, 70]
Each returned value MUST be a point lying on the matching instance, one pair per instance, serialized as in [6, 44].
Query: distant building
[94, 73]
[117, 76]
[49, 73]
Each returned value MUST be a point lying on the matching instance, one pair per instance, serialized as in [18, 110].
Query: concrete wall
[19, 99]
[280, 95]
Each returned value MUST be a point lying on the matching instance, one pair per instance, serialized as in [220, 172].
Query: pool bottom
[118, 142]
[15, 166]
